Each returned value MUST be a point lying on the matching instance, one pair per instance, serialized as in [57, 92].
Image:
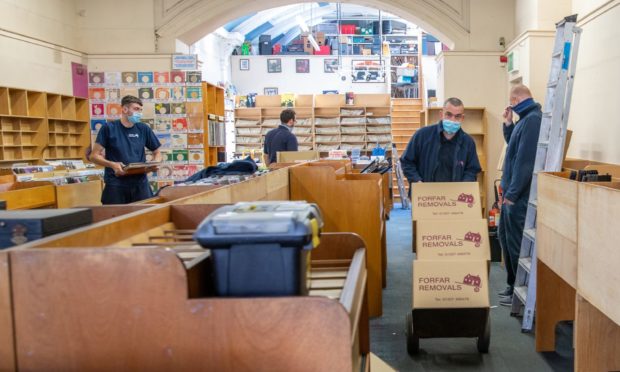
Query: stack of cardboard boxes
[452, 245]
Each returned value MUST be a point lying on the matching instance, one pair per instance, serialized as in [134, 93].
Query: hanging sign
[185, 62]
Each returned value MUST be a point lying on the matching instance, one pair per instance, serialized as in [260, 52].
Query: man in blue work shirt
[281, 138]
[522, 139]
[121, 142]
[442, 152]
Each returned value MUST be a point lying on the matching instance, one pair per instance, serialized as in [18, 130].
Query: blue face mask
[450, 126]
[135, 117]
[520, 107]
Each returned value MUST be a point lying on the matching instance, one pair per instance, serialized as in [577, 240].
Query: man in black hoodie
[522, 140]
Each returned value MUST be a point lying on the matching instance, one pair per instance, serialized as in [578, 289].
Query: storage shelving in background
[214, 141]
[35, 126]
[406, 120]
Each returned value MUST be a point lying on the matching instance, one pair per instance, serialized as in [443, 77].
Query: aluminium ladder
[549, 156]
[402, 191]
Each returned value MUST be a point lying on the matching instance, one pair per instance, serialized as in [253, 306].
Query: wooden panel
[555, 301]
[558, 210]
[178, 192]
[67, 303]
[7, 346]
[597, 273]
[221, 195]
[79, 194]
[559, 253]
[347, 206]
[251, 190]
[28, 195]
[277, 185]
[597, 340]
[106, 212]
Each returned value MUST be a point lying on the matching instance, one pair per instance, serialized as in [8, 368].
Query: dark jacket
[522, 139]
[279, 139]
[421, 157]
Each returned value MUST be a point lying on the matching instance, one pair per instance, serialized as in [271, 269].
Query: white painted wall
[257, 78]
[430, 73]
[478, 79]
[526, 15]
[596, 95]
[37, 43]
[116, 26]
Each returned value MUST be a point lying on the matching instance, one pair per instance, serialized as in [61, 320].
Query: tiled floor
[511, 350]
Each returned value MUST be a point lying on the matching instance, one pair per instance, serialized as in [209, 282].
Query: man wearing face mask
[121, 142]
[522, 139]
[442, 152]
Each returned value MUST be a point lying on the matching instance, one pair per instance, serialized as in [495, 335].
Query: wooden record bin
[138, 282]
[26, 118]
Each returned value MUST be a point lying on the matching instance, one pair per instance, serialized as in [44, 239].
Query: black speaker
[264, 45]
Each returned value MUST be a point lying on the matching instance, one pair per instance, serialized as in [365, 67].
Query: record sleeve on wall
[172, 107]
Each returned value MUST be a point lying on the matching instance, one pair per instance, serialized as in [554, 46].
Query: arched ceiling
[191, 20]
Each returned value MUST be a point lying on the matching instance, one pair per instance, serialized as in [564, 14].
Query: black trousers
[114, 194]
[510, 234]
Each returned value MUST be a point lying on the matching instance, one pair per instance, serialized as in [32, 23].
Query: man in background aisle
[442, 152]
[281, 138]
[522, 140]
[120, 143]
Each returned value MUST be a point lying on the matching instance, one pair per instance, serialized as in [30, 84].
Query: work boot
[506, 301]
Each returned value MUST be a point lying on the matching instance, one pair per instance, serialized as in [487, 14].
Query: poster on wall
[172, 108]
[367, 71]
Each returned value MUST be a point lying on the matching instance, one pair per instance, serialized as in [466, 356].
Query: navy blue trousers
[113, 194]
[510, 233]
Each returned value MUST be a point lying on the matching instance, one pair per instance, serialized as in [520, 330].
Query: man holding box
[119, 143]
[522, 139]
[442, 152]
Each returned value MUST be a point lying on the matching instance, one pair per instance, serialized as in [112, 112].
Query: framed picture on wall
[367, 71]
[302, 66]
[330, 65]
[244, 64]
[271, 91]
[274, 65]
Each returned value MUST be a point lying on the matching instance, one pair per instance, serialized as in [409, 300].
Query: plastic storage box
[261, 248]
[20, 227]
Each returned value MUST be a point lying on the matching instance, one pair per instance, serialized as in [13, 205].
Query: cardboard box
[445, 200]
[456, 240]
[450, 284]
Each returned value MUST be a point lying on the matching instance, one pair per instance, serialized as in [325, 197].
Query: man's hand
[118, 169]
[508, 116]
[508, 202]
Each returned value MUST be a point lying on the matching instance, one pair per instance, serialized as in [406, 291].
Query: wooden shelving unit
[406, 120]
[68, 128]
[213, 111]
[475, 124]
[324, 122]
[26, 118]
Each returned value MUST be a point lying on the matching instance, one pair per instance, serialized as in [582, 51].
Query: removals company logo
[466, 198]
[472, 281]
[472, 237]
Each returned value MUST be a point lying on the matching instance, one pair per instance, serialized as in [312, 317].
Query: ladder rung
[556, 54]
[526, 263]
[553, 84]
[534, 203]
[543, 144]
[547, 114]
[521, 293]
[530, 234]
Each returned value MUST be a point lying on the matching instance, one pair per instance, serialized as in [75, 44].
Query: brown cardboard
[453, 240]
[445, 200]
[450, 284]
